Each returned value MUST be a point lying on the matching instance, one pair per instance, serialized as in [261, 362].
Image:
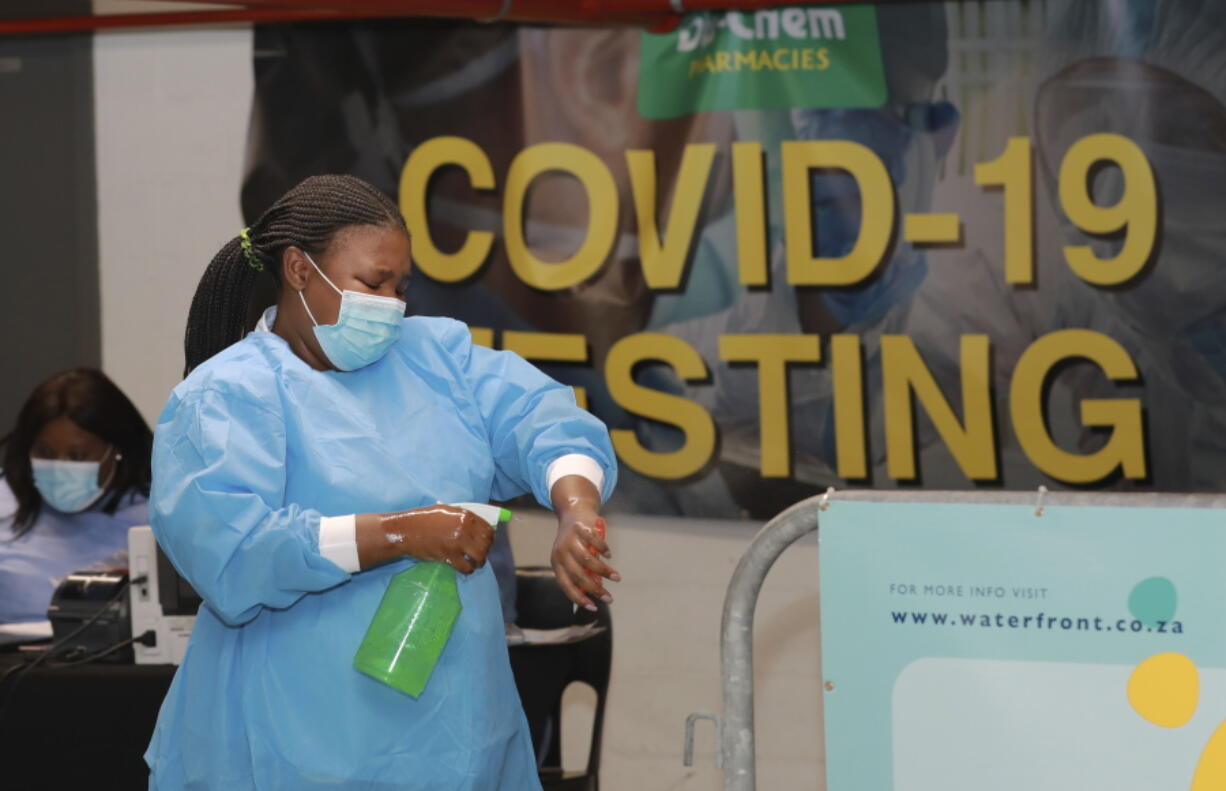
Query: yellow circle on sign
[1164, 689]
[1211, 769]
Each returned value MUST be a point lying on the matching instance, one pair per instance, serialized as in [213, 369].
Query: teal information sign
[776, 59]
[972, 647]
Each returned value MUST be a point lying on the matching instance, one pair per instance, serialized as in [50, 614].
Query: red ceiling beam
[78, 24]
[635, 12]
[485, 9]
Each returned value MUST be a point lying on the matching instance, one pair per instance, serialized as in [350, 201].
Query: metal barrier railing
[734, 729]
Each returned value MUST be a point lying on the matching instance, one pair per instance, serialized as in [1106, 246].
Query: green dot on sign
[1153, 600]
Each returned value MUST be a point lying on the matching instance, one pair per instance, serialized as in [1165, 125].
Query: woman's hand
[438, 533]
[580, 544]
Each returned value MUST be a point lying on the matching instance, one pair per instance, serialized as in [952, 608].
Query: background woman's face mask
[69, 486]
[366, 326]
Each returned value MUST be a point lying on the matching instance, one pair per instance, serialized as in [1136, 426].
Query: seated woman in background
[75, 477]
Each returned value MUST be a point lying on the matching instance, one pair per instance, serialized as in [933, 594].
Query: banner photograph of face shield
[765, 294]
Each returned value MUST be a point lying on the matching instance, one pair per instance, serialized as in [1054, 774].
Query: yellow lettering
[779, 61]
[808, 60]
[823, 58]
[851, 432]
[743, 59]
[1125, 448]
[772, 353]
[749, 197]
[692, 419]
[722, 61]
[425, 160]
[555, 346]
[1136, 213]
[482, 336]
[763, 60]
[664, 261]
[1013, 173]
[876, 225]
[973, 443]
[601, 191]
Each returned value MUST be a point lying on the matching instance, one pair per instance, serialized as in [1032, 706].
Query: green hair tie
[253, 258]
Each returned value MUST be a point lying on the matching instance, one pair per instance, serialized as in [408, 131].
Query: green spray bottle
[415, 618]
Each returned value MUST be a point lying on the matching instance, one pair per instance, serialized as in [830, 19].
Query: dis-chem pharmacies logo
[765, 60]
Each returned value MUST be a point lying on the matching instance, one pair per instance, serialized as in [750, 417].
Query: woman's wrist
[382, 538]
[574, 495]
[371, 543]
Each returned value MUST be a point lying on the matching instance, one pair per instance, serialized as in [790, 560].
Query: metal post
[736, 728]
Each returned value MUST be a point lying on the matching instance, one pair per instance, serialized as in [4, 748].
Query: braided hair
[307, 217]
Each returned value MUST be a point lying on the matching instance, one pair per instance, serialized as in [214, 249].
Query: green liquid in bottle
[414, 620]
[411, 627]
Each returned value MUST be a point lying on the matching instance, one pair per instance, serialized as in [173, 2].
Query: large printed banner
[972, 647]
[937, 244]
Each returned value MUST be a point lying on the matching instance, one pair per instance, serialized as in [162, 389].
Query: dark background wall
[49, 318]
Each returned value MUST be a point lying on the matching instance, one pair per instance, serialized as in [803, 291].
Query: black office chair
[543, 672]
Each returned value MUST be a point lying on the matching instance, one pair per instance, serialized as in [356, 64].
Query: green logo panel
[813, 56]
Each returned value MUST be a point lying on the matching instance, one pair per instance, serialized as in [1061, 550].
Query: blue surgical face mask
[366, 327]
[69, 486]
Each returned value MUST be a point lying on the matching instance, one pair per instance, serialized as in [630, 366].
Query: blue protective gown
[58, 544]
[250, 451]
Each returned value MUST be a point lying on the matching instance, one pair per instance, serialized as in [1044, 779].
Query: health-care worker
[75, 478]
[296, 469]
